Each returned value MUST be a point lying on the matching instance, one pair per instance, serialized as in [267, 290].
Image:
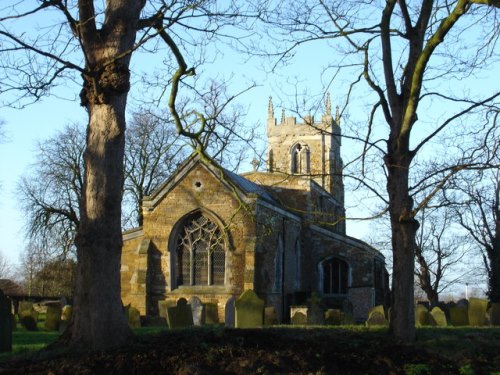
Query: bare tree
[153, 151]
[96, 40]
[50, 193]
[440, 254]
[478, 212]
[400, 50]
[6, 268]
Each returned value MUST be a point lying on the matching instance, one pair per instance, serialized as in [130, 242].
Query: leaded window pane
[201, 253]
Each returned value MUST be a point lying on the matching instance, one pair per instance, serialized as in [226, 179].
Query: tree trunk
[404, 229]
[98, 318]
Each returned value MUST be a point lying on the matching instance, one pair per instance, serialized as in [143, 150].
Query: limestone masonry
[212, 234]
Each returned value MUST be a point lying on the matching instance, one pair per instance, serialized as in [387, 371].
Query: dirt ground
[268, 351]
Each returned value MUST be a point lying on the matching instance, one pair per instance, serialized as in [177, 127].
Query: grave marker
[180, 316]
[249, 310]
[477, 311]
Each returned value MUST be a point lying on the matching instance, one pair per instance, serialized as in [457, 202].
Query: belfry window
[335, 276]
[300, 159]
[200, 253]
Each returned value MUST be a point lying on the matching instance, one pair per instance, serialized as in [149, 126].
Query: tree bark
[404, 229]
[98, 318]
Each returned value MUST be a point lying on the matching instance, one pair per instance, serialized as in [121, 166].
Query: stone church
[213, 234]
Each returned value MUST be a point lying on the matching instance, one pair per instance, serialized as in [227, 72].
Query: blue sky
[39, 121]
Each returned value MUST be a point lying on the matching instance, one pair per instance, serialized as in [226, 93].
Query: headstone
[53, 317]
[376, 318]
[134, 317]
[211, 313]
[422, 316]
[315, 315]
[477, 311]
[439, 317]
[333, 317]
[495, 314]
[198, 311]
[180, 316]
[270, 316]
[459, 316]
[6, 322]
[229, 312]
[299, 318]
[298, 314]
[67, 313]
[249, 310]
[379, 309]
[27, 316]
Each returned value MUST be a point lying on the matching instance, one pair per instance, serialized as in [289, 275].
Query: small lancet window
[301, 159]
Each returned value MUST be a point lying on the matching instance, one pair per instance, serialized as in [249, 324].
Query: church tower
[307, 148]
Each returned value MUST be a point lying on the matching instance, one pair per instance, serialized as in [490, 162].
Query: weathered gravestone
[333, 317]
[211, 313]
[27, 315]
[495, 314]
[249, 310]
[229, 312]
[477, 311]
[270, 316]
[298, 315]
[6, 322]
[134, 317]
[376, 317]
[198, 311]
[422, 316]
[53, 317]
[315, 313]
[459, 316]
[181, 315]
[439, 317]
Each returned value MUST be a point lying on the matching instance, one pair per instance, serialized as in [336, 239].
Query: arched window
[335, 276]
[300, 159]
[200, 252]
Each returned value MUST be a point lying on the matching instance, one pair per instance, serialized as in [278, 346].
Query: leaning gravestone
[198, 311]
[53, 317]
[495, 314]
[5, 323]
[180, 316]
[459, 316]
[229, 312]
[477, 311]
[249, 310]
[347, 312]
[439, 317]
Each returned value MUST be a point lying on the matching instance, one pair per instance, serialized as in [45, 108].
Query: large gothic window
[200, 253]
[335, 276]
[300, 159]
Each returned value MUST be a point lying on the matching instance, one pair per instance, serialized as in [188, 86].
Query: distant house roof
[11, 288]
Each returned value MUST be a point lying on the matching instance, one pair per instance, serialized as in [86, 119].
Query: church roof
[244, 186]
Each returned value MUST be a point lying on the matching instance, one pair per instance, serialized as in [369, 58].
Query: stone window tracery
[200, 253]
